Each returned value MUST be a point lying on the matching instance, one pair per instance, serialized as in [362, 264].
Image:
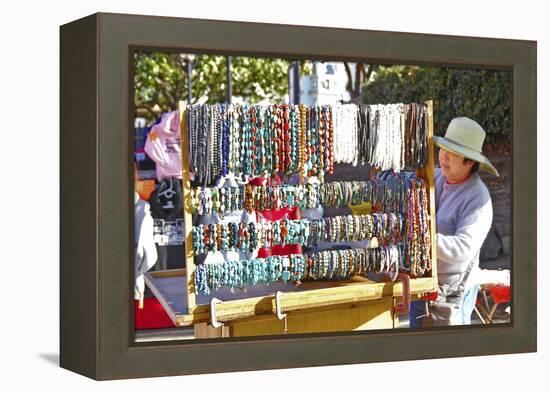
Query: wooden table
[316, 306]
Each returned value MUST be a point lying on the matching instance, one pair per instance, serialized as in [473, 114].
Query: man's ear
[469, 163]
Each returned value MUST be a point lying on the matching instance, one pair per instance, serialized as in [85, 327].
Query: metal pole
[294, 83]
[229, 84]
[189, 69]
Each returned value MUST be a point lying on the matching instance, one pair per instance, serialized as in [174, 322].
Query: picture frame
[96, 194]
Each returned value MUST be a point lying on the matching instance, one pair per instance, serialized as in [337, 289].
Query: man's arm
[454, 252]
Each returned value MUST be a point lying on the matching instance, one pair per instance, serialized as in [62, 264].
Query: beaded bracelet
[387, 196]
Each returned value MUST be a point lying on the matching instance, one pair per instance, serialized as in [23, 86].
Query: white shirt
[146, 251]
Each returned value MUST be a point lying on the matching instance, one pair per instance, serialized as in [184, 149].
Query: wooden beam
[168, 273]
[304, 300]
[161, 297]
[430, 177]
[427, 173]
[187, 215]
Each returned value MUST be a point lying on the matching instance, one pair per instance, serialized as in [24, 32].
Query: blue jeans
[418, 308]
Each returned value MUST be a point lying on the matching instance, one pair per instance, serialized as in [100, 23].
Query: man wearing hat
[464, 215]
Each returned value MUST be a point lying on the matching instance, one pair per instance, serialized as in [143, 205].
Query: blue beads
[201, 284]
[240, 274]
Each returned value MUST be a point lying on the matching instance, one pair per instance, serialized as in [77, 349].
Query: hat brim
[484, 162]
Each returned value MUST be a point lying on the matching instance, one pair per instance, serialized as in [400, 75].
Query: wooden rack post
[427, 173]
[187, 215]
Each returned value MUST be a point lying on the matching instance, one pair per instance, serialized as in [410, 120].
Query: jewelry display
[256, 140]
[263, 140]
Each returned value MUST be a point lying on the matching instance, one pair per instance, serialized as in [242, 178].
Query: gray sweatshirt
[464, 214]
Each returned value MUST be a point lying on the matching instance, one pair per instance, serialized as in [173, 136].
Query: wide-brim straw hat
[465, 137]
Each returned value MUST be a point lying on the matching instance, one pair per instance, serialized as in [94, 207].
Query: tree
[354, 86]
[483, 95]
[160, 79]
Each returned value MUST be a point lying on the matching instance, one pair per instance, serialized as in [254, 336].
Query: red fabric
[151, 316]
[280, 250]
[430, 296]
[271, 181]
[291, 213]
[500, 293]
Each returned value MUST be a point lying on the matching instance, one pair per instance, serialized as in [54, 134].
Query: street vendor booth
[261, 260]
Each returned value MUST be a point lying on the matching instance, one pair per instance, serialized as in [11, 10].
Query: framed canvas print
[244, 196]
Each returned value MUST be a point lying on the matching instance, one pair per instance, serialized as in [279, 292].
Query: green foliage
[483, 95]
[160, 79]
[260, 79]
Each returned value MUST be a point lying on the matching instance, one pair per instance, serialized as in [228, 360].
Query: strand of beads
[418, 245]
[301, 139]
[343, 264]
[260, 139]
[253, 129]
[246, 143]
[382, 226]
[216, 145]
[337, 147]
[425, 225]
[225, 127]
[193, 140]
[345, 133]
[394, 136]
[294, 126]
[327, 121]
[295, 268]
[209, 143]
[240, 274]
[388, 191]
[234, 138]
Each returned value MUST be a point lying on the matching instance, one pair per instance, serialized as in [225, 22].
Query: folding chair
[499, 293]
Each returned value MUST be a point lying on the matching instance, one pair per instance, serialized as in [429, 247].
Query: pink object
[165, 150]
[291, 213]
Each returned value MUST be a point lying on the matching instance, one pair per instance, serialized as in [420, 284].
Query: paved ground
[500, 316]
[187, 333]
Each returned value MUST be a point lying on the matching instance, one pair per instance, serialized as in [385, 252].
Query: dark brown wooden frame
[96, 313]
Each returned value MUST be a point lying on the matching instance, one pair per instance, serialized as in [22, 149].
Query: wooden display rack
[313, 306]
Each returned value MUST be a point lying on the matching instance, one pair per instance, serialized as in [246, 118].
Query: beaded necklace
[294, 120]
[287, 152]
[234, 129]
[253, 118]
[263, 145]
[309, 143]
[246, 150]
[225, 140]
[319, 129]
[302, 141]
[336, 147]
[191, 130]
[254, 140]
[279, 150]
